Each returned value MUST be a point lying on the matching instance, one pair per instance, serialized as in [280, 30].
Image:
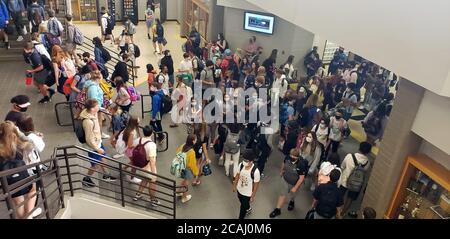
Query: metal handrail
[9, 189]
[131, 64]
[71, 103]
[61, 153]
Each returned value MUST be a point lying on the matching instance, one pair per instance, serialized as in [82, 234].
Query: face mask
[309, 139]
[257, 85]
[23, 109]
[338, 117]
[322, 125]
[245, 164]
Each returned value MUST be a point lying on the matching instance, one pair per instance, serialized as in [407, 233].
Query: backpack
[356, 179]
[102, 68]
[78, 37]
[159, 31]
[252, 173]
[166, 104]
[36, 16]
[137, 51]
[134, 94]
[53, 28]
[178, 165]
[109, 24]
[52, 40]
[106, 88]
[231, 145]
[105, 54]
[12, 164]
[373, 125]
[200, 66]
[66, 87]
[139, 158]
[79, 130]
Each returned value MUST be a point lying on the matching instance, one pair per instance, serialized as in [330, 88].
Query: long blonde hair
[96, 75]
[9, 140]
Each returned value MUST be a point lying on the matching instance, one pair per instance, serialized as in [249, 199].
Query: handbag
[206, 170]
[164, 41]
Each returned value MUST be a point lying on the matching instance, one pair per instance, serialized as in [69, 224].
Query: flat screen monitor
[258, 23]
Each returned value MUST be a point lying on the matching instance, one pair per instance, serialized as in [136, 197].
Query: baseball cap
[21, 101]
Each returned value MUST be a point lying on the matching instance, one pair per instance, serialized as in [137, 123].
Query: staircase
[15, 52]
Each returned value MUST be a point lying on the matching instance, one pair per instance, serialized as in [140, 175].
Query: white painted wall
[408, 37]
[435, 153]
[432, 121]
[287, 38]
[172, 9]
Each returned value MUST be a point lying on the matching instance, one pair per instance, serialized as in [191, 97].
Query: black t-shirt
[329, 198]
[290, 142]
[13, 116]
[268, 64]
[198, 146]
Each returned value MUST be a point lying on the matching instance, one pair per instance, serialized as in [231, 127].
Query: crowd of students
[313, 112]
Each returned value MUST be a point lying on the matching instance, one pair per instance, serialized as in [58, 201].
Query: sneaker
[352, 214]
[249, 211]
[51, 92]
[291, 205]
[36, 212]
[87, 182]
[137, 197]
[105, 136]
[148, 35]
[109, 178]
[135, 180]
[263, 176]
[179, 194]
[155, 202]
[211, 145]
[118, 156]
[276, 212]
[186, 199]
[19, 38]
[44, 100]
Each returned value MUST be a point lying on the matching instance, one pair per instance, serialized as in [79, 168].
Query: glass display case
[196, 14]
[423, 191]
[84, 10]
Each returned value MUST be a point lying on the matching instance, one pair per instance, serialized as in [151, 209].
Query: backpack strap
[355, 161]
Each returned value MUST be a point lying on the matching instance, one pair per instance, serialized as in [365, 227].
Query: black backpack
[166, 104]
[109, 24]
[102, 68]
[137, 51]
[252, 173]
[105, 54]
[159, 31]
[12, 164]
[79, 131]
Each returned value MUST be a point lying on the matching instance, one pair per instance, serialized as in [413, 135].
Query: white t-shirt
[290, 68]
[322, 134]
[280, 86]
[186, 65]
[150, 148]
[245, 183]
[336, 127]
[123, 93]
[347, 166]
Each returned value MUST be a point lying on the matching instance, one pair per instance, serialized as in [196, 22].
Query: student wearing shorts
[93, 136]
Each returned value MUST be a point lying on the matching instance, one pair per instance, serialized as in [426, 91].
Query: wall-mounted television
[259, 23]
